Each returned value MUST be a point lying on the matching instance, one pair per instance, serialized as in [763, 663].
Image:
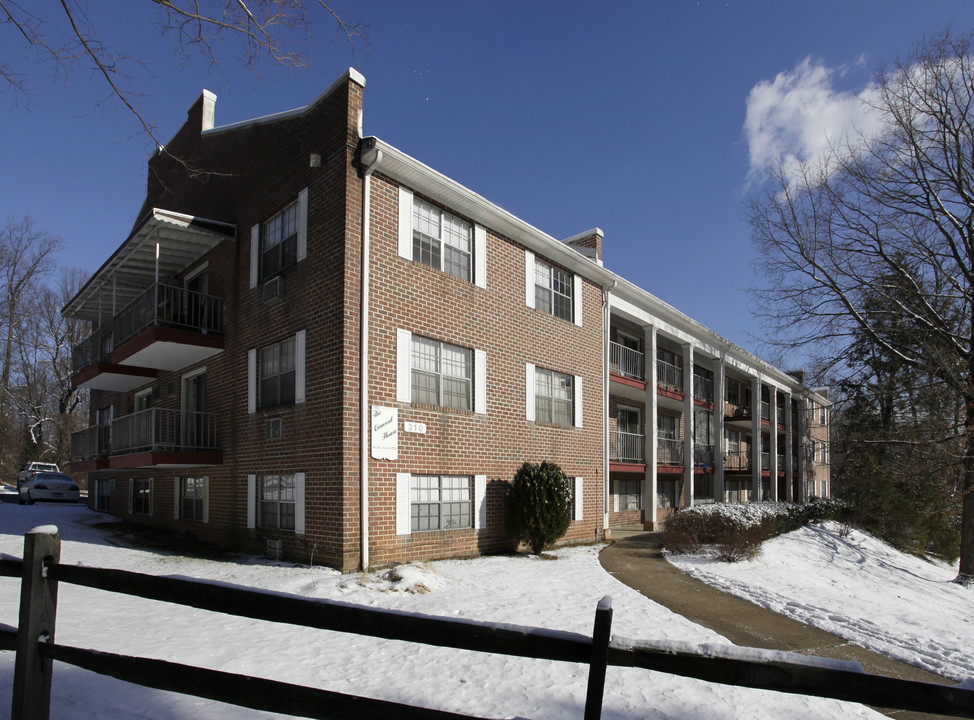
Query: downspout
[606, 318]
[369, 157]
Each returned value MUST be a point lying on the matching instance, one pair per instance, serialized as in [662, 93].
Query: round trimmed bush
[539, 505]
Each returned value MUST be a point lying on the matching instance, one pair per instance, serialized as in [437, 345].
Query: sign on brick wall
[385, 433]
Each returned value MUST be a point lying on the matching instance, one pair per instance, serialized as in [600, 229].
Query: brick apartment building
[320, 348]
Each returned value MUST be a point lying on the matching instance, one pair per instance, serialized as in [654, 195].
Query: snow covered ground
[852, 585]
[560, 594]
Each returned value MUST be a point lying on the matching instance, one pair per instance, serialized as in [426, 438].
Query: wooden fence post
[601, 635]
[38, 605]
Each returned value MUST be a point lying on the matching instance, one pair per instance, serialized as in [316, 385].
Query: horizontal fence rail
[41, 573]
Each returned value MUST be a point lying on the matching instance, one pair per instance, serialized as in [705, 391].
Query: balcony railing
[765, 461]
[88, 351]
[626, 447]
[765, 410]
[626, 361]
[669, 376]
[737, 460]
[780, 415]
[669, 452]
[91, 443]
[171, 307]
[164, 429]
[780, 467]
[703, 389]
[737, 412]
[703, 455]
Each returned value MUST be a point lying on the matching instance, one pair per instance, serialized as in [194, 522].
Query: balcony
[737, 461]
[781, 464]
[766, 462]
[669, 452]
[626, 362]
[164, 328]
[156, 437]
[703, 455]
[733, 411]
[669, 376]
[626, 448]
[766, 412]
[703, 389]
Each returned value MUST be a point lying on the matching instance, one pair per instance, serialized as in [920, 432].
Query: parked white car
[35, 467]
[49, 486]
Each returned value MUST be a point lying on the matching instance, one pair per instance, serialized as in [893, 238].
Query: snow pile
[852, 585]
[523, 590]
[416, 578]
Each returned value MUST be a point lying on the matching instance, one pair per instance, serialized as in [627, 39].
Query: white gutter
[606, 318]
[369, 157]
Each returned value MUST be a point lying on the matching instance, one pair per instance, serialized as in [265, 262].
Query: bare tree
[875, 244]
[63, 37]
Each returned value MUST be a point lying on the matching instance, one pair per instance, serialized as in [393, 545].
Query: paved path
[636, 559]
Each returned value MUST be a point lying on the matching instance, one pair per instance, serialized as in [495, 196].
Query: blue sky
[651, 120]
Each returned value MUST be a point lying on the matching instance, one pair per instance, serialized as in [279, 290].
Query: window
[277, 374]
[553, 397]
[666, 493]
[141, 489]
[277, 502]
[440, 502]
[553, 290]
[441, 373]
[437, 373]
[194, 498]
[279, 241]
[104, 490]
[703, 488]
[628, 495]
[441, 240]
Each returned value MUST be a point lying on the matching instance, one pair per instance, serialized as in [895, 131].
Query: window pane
[456, 393]
[456, 262]
[426, 219]
[426, 388]
[456, 361]
[426, 249]
[425, 355]
[562, 307]
[456, 233]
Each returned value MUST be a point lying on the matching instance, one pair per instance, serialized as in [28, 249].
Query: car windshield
[61, 477]
[44, 468]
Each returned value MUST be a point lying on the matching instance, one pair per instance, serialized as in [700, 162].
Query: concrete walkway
[636, 559]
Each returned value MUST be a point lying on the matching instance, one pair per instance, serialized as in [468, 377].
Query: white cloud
[799, 114]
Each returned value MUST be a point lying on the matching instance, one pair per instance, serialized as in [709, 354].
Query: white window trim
[404, 378]
[301, 251]
[529, 293]
[478, 255]
[530, 396]
[299, 503]
[403, 515]
[177, 507]
[300, 372]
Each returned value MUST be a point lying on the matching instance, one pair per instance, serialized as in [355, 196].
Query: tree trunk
[965, 576]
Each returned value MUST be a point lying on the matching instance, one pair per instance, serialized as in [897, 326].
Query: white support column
[651, 455]
[773, 442]
[803, 449]
[755, 494]
[789, 444]
[688, 465]
[719, 377]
